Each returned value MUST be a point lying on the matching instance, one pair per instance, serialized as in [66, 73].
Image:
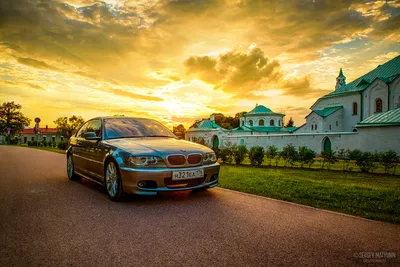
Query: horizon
[179, 61]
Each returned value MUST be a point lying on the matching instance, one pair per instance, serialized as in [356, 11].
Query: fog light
[141, 183]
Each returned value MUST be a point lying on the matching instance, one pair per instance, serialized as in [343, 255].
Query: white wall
[377, 89]
[366, 139]
[349, 120]
[257, 118]
[395, 93]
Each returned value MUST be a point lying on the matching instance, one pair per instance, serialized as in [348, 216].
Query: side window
[94, 126]
[82, 130]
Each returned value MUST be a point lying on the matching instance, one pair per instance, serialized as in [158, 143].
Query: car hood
[157, 146]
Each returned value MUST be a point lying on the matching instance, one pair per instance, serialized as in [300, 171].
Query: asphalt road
[47, 220]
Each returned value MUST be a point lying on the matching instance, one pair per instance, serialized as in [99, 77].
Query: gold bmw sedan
[138, 156]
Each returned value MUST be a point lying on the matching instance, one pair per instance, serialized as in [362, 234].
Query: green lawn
[337, 166]
[367, 195]
[52, 149]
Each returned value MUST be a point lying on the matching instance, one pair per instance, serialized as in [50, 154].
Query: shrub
[226, 154]
[289, 154]
[54, 144]
[306, 156]
[277, 158]
[344, 155]
[62, 145]
[239, 153]
[389, 160]
[44, 143]
[217, 152]
[29, 143]
[354, 154]
[14, 141]
[272, 152]
[256, 155]
[329, 158]
[366, 161]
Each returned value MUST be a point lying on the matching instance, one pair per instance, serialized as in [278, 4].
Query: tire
[112, 181]
[71, 169]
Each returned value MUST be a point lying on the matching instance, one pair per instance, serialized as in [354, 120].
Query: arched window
[315, 127]
[330, 127]
[271, 123]
[279, 122]
[378, 105]
[312, 127]
[242, 123]
[261, 123]
[251, 122]
[355, 108]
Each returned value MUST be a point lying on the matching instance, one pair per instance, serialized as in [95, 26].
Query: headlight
[144, 160]
[209, 158]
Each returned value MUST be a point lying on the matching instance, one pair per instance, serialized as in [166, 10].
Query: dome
[260, 109]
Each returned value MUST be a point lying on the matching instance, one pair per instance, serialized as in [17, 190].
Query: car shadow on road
[162, 197]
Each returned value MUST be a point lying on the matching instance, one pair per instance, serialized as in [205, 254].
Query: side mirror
[91, 136]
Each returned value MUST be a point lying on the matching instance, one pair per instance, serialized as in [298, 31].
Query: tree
[289, 154]
[239, 153]
[179, 131]
[67, 126]
[290, 123]
[256, 155]
[271, 153]
[11, 117]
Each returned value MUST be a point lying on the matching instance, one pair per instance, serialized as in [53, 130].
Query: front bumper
[131, 176]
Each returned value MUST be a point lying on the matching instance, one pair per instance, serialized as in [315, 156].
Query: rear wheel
[113, 183]
[71, 170]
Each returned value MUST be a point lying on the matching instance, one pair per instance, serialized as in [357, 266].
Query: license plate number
[186, 175]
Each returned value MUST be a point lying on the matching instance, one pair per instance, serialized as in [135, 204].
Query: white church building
[363, 114]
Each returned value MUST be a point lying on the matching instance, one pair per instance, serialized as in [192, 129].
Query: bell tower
[340, 80]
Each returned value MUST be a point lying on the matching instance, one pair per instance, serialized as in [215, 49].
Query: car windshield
[134, 128]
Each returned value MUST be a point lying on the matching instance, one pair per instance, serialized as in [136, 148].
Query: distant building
[363, 114]
[44, 134]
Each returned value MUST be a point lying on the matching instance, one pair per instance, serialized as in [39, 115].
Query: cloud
[124, 93]
[30, 62]
[235, 71]
[248, 75]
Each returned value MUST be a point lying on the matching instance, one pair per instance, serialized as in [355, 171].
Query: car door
[93, 151]
[78, 149]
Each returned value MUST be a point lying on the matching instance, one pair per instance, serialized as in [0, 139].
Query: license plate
[186, 175]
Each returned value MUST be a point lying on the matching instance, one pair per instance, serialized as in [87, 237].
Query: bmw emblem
[183, 150]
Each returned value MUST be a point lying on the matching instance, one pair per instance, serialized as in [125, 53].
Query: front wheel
[71, 170]
[113, 181]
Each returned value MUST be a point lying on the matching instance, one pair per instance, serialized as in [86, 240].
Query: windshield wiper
[133, 136]
[159, 136]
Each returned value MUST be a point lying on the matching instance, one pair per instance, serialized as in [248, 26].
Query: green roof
[386, 72]
[341, 73]
[260, 109]
[205, 125]
[388, 118]
[326, 111]
[264, 129]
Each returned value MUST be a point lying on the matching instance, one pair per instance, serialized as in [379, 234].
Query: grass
[367, 195]
[51, 149]
[337, 166]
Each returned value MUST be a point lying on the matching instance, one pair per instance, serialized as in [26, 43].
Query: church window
[251, 122]
[312, 127]
[337, 123]
[261, 123]
[330, 127]
[242, 123]
[279, 122]
[271, 123]
[378, 105]
[355, 108]
[315, 127]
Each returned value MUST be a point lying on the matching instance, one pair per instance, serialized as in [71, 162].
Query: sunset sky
[181, 60]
